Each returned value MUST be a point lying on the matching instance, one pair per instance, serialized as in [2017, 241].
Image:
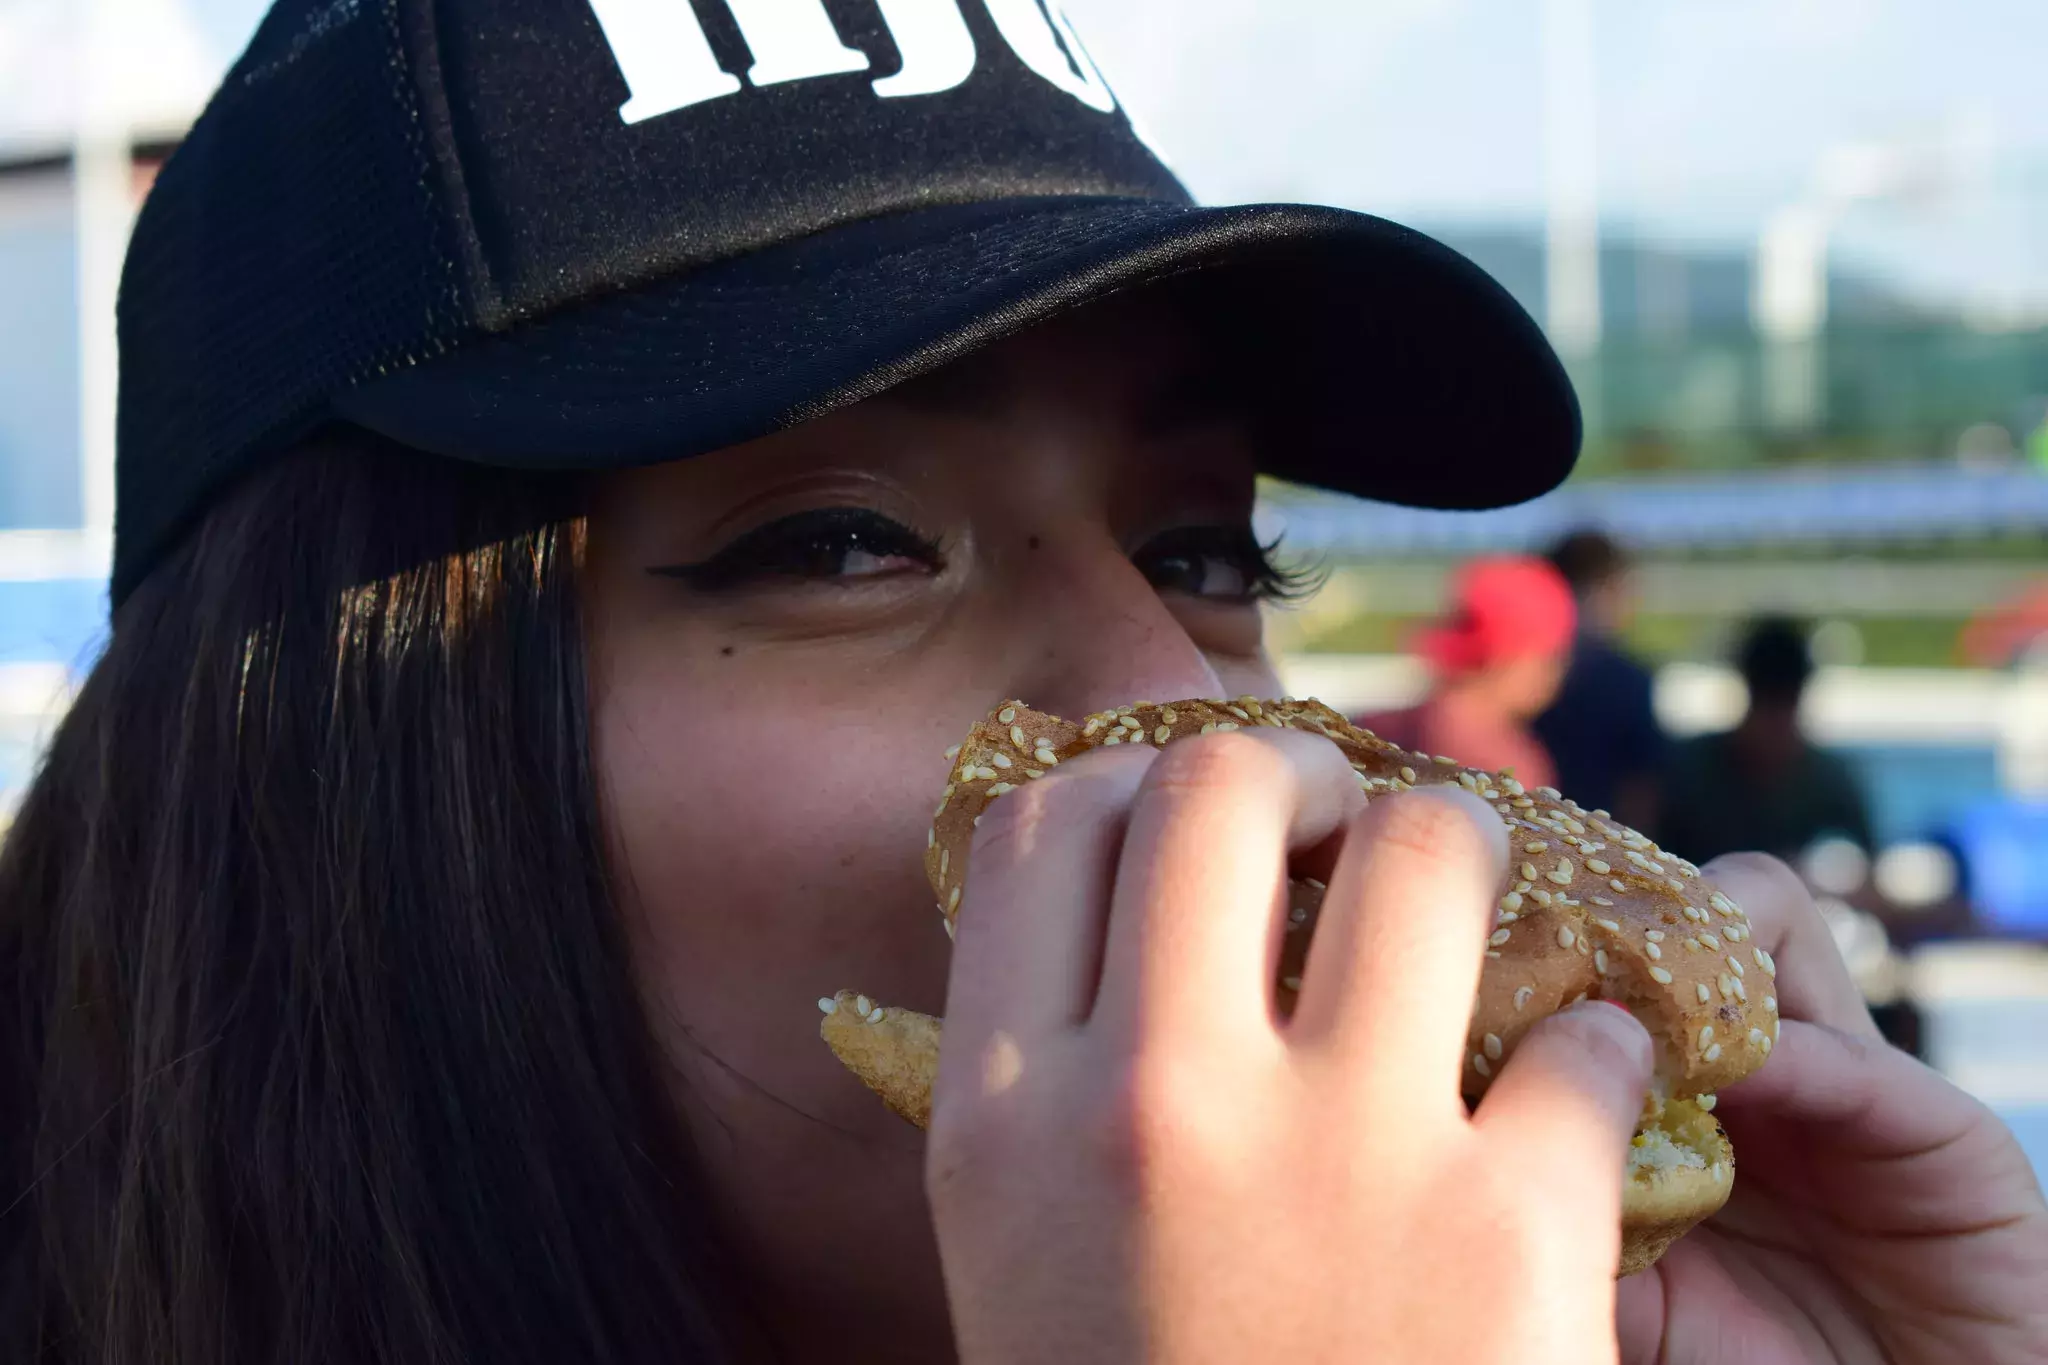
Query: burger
[1589, 909]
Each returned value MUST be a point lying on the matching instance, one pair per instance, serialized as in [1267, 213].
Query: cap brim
[1387, 365]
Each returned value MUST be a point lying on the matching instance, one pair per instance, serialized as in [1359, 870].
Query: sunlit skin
[770, 752]
[1067, 522]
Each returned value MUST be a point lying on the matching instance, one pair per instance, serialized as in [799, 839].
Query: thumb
[1566, 1105]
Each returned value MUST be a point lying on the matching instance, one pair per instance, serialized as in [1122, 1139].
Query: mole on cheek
[1034, 542]
[726, 651]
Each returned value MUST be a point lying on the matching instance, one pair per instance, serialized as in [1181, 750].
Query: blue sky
[1711, 113]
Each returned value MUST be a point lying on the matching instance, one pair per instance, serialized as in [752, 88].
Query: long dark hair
[322, 1044]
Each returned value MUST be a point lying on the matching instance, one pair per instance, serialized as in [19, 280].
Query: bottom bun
[1680, 1167]
[1681, 1170]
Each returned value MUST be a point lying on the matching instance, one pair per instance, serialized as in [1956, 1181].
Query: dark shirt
[1712, 806]
[1602, 730]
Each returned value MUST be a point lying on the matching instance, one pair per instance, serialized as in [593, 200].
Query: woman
[416, 922]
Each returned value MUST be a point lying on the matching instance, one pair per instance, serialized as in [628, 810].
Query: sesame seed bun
[1589, 909]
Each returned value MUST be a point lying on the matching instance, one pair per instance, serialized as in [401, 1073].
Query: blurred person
[1494, 661]
[1763, 785]
[1602, 729]
[558, 534]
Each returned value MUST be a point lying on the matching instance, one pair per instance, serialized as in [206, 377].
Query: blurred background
[1795, 253]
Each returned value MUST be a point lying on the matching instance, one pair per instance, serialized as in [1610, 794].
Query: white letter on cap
[938, 51]
[793, 40]
[1029, 32]
[663, 54]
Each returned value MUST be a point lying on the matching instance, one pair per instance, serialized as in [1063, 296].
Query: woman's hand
[1133, 1158]
[1879, 1213]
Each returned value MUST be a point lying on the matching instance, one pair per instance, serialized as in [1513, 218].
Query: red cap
[1502, 609]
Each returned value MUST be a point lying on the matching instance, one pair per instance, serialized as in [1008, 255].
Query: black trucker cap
[578, 234]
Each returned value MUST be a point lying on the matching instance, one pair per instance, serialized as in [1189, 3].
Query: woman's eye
[1215, 563]
[835, 544]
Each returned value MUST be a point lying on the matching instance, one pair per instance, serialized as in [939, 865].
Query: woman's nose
[1104, 639]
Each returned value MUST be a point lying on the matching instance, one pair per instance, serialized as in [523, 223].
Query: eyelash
[780, 549]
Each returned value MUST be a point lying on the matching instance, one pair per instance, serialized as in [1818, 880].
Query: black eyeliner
[752, 556]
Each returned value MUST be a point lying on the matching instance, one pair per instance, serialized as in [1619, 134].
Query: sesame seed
[1312, 882]
[1602, 900]
[1654, 951]
[1727, 984]
[1600, 961]
[1654, 935]
[861, 1004]
[1522, 803]
[1447, 762]
[1522, 888]
[931, 837]
[949, 929]
[1479, 1065]
[1732, 932]
[1511, 902]
[875, 1015]
[1002, 760]
[1712, 1054]
[1492, 1047]
[1766, 1045]
[1008, 714]
[1209, 727]
[1549, 793]
[1736, 964]
[1168, 714]
[1509, 917]
[1162, 734]
[1564, 936]
[1299, 914]
[1756, 1037]
[1001, 787]
[1537, 847]
[1597, 866]
[1618, 884]
[1562, 873]
[1541, 897]
[1033, 772]
[1513, 788]
[1017, 735]
[1115, 737]
[1741, 991]
[945, 857]
[1225, 725]
[828, 1005]
[1771, 1003]
[953, 901]
[1706, 996]
[1694, 944]
[1660, 976]
[1711, 942]
[1706, 1037]
[1504, 809]
[1094, 724]
[986, 774]
[1528, 872]
[977, 822]
[1408, 775]
[1611, 926]
[1047, 757]
[1499, 936]
[1292, 983]
[1239, 712]
[1251, 704]
[1767, 962]
[1706, 1102]
[1675, 885]
[1522, 994]
[1492, 954]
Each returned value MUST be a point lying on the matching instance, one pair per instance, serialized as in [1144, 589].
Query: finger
[1044, 860]
[1198, 905]
[1813, 983]
[1566, 1105]
[1864, 1101]
[1395, 964]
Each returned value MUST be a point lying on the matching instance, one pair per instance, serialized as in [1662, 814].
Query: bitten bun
[1589, 909]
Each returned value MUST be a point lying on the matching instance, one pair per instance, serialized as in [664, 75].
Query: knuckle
[1211, 763]
[1431, 828]
[1147, 1125]
[1016, 827]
